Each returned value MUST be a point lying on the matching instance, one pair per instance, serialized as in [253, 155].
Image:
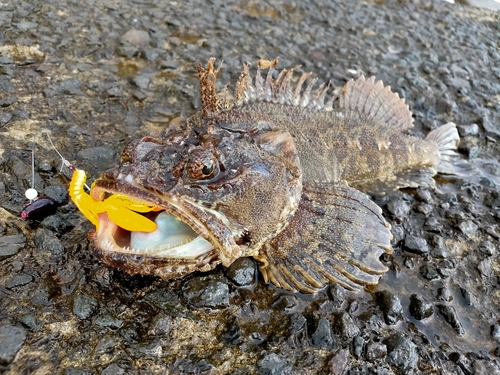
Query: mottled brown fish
[269, 174]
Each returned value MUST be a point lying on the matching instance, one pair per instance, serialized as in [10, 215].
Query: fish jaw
[204, 239]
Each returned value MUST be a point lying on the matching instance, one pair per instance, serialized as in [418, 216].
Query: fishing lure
[38, 207]
[120, 209]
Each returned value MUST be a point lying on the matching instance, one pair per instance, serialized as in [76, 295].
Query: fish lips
[208, 224]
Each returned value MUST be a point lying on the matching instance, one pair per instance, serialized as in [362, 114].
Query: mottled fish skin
[339, 145]
[252, 171]
[361, 141]
[268, 175]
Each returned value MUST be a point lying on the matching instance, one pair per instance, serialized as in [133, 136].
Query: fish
[273, 172]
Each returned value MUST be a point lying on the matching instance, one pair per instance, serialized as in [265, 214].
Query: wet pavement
[96, 74]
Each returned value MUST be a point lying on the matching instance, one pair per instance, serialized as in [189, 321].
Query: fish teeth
[181, 243]
[129, 178]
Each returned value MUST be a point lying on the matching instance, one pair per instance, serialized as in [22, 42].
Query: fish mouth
[181, 243]
[172, 239]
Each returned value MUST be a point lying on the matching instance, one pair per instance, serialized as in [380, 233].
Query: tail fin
[446, 137]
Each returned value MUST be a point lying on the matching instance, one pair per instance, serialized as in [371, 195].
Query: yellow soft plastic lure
[121, 209]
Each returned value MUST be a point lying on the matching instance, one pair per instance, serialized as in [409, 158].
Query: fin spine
[367, 97]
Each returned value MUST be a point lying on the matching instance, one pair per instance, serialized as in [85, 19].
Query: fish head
[219, 192]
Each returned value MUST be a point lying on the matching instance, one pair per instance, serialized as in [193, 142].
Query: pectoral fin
[337, 235]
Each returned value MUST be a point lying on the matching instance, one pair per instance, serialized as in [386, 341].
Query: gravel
[416, 245]
[375, 350]
[339, 362]
[401, 353]
[274, 364]
[11, 340]
[322, 335]
[450, 315]
[242, 272]
[390, 306]
[206, 291]
[420, 308]
[84, 305]
[345, 326]
[10, 245]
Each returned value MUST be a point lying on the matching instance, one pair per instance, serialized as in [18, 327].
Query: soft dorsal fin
[373, 100]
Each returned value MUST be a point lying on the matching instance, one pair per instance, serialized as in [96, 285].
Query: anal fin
[414, 177]
[337, 235]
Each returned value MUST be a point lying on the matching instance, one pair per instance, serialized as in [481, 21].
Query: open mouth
[172, 238]
[141, 227]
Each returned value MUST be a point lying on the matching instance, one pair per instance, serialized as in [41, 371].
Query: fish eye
[208, 169]
[202, 166]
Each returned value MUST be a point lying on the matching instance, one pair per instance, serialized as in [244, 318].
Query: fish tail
[447, 139]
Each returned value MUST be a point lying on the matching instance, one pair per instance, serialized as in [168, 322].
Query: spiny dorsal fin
[244, 84]
[366, 97]
[280, 90]
[210, 101]
[373, 100]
